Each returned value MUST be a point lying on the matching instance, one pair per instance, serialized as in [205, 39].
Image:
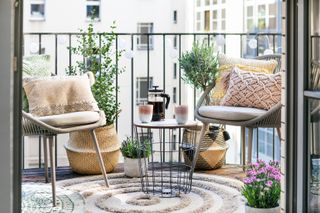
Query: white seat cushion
[71, 119]
[230, 113]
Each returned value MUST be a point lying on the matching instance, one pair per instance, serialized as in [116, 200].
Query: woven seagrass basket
[213, 148]
[82, 155]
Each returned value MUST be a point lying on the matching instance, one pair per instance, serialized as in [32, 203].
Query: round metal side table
[167, 173]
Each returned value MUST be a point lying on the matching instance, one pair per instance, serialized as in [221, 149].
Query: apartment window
[198, 3]
[174, 70]
[214, 2]
[198, 21]
[207, 20]
[261, 16]
[218, 16]
[175, 17]
[37, 10]
[142, 89]
[174, 95]
[207, 2]
[93, 10]
[142, 40]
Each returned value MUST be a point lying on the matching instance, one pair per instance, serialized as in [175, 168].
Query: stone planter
[132, 167]
[258, 210]
[82, 155]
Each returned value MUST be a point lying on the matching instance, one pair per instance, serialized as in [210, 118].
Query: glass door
[312, 98]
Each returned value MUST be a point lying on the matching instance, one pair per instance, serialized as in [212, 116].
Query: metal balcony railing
[158, 52]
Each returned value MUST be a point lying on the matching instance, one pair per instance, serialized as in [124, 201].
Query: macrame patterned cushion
[59, 94]
[226, 65]
[255, 90]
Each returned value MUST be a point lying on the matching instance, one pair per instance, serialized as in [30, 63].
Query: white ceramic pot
[258, 210]
[132, 167]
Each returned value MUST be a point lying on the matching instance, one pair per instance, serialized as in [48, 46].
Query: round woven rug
[89, 195]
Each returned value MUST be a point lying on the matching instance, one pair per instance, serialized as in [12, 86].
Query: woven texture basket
[82, 155]
[213, 148]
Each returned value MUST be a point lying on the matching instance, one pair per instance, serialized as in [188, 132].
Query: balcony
[151, 59]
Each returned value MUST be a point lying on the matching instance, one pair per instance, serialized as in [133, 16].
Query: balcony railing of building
[153, 57]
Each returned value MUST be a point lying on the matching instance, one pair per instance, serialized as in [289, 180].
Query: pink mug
[145, 113]
[181, 113]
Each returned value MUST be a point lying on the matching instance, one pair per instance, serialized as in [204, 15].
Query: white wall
[6, 94]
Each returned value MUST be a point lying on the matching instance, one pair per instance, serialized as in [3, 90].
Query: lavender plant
[262, 184]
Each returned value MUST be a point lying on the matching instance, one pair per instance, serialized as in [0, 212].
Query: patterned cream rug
[209, 193]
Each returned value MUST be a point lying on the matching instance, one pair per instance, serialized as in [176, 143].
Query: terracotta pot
[259, 210]
[132, 167]
[82, 155]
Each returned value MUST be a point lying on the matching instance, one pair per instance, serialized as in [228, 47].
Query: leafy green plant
[100, 58]
[200, 65]
[131, 148]
[262, 184]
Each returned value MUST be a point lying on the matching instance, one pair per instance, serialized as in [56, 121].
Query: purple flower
[251, 173]
[269, 183]
[249, 180]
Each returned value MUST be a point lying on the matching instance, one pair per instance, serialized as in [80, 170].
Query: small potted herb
[262, 187]
[132, 150]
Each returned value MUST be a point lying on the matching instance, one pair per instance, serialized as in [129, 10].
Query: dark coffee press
[156, 98]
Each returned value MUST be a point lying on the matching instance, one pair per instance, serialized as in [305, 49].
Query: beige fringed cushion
[226, 64]
[255, 90]
[59, 94]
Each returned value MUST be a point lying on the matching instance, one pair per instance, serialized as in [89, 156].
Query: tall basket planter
[81, 153]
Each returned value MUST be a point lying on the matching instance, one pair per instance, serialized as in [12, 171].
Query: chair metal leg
[98, 152]
[250, 138]
[45, 153]
[243, 146]
[53, 169]
[279, 132]
[201, 137]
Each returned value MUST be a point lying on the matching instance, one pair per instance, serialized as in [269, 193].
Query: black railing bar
[224, 44]
[56, 150]
[100, 53]
[257, 143]
[83, 57]
[208, 39]
[22, 159]
[150, 34]
[39, 51]
[274, 43]
[194, 89]
[241, 45]
[164, 61]
[117, 80]
[132, 87]
[273, 143]
[179, 70]
[56, 55]
[148, 63]
[70, 54]
[39, 151]
[257, 49]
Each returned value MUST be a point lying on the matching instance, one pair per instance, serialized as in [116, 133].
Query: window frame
[139, 99]
[39, 17]
[145, 46]
[93, 3]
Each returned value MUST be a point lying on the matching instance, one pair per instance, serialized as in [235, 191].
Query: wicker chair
[33, 125]
[267, 119]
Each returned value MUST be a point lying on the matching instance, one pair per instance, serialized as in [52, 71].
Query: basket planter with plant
[201, 68]
[262, 187]
[99, 57]
[135, 155]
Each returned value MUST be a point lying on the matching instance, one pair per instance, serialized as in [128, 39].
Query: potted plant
[201, 68]
[99, 57]
[133, 152]
[262, 187]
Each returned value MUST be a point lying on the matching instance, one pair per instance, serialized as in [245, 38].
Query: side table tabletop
[170, 166]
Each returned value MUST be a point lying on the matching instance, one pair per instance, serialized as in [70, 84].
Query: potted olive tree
[98, 56]
[262, 187]
[133, 152]
[200, 69]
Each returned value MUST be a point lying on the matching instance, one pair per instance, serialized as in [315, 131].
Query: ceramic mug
[145, 113]
[181, 113]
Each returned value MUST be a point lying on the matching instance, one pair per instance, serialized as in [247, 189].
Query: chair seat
[230, 113]
[71, 119]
